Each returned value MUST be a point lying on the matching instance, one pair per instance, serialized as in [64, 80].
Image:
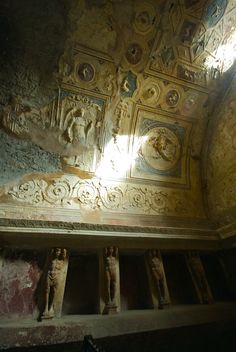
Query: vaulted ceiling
[105, 106]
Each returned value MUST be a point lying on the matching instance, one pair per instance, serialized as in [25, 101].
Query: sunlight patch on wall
[225, 55]
[116, 159]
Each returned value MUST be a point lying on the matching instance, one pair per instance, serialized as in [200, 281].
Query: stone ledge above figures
[73, 328]
[15, 220]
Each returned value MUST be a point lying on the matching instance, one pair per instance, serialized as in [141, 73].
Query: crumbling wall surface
[32, 36]
[19, 279]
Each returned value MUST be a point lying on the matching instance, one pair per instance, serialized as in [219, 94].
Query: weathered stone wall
[32, 40]
[221, 161]
[32, 37]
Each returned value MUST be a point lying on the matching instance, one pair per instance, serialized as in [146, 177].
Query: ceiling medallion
[190, 101]
[145, 18]
[134, 53]
[214, 12]
[143, 22]
[150, 93]
[86, 72]
[172, 98]
[161, 148]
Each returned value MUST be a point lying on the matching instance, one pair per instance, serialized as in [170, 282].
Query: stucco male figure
[54, 271]
[158, 275]
[111, 262]
[75, 131]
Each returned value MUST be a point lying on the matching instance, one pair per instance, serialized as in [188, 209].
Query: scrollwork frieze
[102, 195]
[31, 191]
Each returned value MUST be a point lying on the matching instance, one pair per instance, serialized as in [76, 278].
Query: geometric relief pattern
[193, 24]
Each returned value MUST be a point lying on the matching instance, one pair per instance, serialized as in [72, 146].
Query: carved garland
[95, 194]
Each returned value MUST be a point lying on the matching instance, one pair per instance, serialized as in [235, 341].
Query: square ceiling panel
[159, 148]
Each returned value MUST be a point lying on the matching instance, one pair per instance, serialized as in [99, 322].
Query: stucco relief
[159, 148]
[162, 148]
[221, 170]
[89, 70]
[145, 18]
[17, 116]
[70, 126]
[200, 30]
[122, 57]
[150, 91]
[95, 194]
[121, 118]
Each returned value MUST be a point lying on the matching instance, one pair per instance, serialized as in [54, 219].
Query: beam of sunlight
[224, 57]
[117, 160]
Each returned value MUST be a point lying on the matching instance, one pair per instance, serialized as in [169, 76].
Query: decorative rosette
[112, 198]
[59, 191]
[30, 191]
[87, 195]
[136, 198]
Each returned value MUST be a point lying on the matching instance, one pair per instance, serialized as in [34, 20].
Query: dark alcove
[216, 278]
[134, 287]
[178, 278]
[81, 292]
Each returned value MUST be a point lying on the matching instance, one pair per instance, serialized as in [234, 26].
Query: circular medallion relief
[150, 93]
[161, 148]
[172, 98]
[191, 101]
[134, 53]
[86, 72]
[143, 22]
[145, 18]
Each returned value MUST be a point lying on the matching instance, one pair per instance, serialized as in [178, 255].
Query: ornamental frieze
[96, 194]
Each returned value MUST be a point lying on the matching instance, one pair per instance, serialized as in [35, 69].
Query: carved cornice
[104, 230]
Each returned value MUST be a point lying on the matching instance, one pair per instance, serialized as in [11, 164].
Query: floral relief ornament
[97, 194]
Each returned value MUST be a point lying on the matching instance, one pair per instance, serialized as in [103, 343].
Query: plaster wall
[221, 163]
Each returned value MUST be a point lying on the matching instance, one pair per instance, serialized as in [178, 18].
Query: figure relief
[111, 268]
[81, 121]
[108, 82]
[157, 273]
[172, 98]
[69, 125]
[86, 72]
[15, 117]
[53, 284]
[125, 86]
[127, 83]
[199, 277]
[121, 113]
[77, 129]
[161, 149]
